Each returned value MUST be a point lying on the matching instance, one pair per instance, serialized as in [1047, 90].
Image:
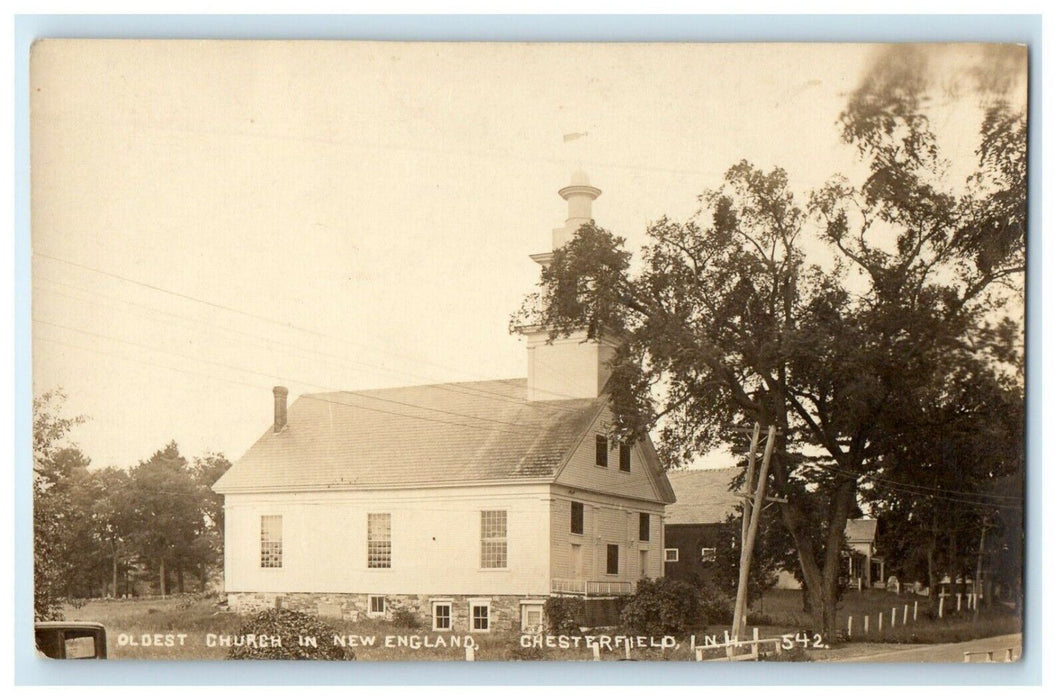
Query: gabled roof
[463, 433]
[703, 496]
[859, 530]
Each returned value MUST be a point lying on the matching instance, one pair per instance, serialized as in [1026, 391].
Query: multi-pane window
[531, 618]
[379, 540]
[576, 518]
[493, 539]
[602, 451]
[480, 617]
[441, 616]
[270, 542]
[672, 554]
[377, 605]
[644, 527]
[613, 558]
[626, 458]
[709, 554]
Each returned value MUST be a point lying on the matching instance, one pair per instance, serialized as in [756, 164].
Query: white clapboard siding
[435, 541]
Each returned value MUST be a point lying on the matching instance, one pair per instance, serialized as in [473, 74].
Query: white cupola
[572, 367]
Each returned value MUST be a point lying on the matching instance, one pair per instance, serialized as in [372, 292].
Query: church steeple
[578, 194]
[571, 367]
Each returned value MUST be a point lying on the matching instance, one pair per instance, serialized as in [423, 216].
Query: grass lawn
[203, 621]
[781, 608]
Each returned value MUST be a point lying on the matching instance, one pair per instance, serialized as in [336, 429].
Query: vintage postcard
[498, 351]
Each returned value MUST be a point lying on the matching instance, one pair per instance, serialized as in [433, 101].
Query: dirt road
[945, 653]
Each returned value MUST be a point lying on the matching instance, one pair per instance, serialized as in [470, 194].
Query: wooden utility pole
[750, 525]
[979, 568]
[748, 496]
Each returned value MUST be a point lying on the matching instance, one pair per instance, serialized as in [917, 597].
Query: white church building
[468, 504]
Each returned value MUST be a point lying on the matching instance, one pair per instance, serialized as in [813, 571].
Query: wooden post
[849, 626]
[757, 647]
[748, 485]
[958, 602]
[978, 584]
[748, 496]
[880, 622]
[470, 654]
[628, 648]
[941, 603]
[866, 624]
[905, 616]
[595, 652]
[751, 536]
[893, 614]
[916, 610]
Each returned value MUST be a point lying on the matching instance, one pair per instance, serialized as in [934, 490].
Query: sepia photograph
[475, 351]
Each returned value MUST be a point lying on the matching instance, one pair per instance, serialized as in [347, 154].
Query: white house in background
[468, 503]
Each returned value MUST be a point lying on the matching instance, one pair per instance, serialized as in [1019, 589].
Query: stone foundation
[505, 614]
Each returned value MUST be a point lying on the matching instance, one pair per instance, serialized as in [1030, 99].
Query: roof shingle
[459, 433]
[702, 496]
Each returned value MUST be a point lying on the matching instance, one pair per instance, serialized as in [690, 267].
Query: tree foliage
[844, 318]
[95, 528]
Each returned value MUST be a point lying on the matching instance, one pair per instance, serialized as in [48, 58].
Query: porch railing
[568, 586]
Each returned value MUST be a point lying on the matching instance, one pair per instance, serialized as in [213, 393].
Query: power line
[291, 379]
[902, 489]
[257, 317]
[344, 361]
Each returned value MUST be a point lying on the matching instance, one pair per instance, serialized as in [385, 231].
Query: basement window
[602, 451]
[709, 554]
[441, 617]
[377, 605]
[480, 616]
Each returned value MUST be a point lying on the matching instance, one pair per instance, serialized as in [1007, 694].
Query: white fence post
[595, 651]
[470, 654]
[893, 615]
[849, 626]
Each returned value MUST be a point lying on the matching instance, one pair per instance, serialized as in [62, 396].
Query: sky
[211, 219]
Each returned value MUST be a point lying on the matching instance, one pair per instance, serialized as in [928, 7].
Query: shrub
[289, 625]
[717, 608]
[407, 619]
[664, 606]
[563, 615]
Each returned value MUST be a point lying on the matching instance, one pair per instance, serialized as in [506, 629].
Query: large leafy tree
[55, 515]
[168, 514]
[826, 317]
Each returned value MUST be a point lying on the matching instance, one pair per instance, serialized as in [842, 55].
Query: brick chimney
[280, 408]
